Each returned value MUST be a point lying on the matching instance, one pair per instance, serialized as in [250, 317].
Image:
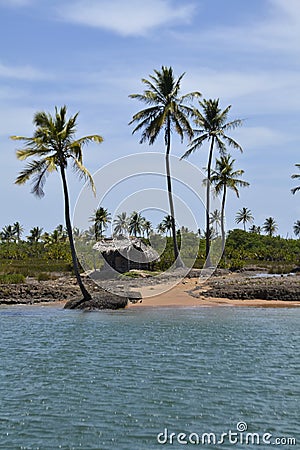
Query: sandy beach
[179, 296]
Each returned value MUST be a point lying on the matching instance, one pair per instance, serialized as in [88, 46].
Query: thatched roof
[125, 245]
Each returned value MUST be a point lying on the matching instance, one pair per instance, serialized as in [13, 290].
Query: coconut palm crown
[212, 126]
[225, 177]
[50, 149]
[167, 111]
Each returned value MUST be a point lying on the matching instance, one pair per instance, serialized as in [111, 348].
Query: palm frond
[83, 172]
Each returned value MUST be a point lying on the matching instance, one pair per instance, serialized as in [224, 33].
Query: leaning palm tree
[167, 111]
[121, 224]
[296, 175]
[225, 177]
[50, 149]
[296, 228]
[101, 219]
[212, 126]
[270, 226]
[244, 215]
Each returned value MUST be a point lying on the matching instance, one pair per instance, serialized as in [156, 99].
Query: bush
[14, 278]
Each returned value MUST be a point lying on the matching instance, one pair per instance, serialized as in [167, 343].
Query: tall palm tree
[244, 215]
[270, 226]
[50, 149]
[296, 175]
[212, 126]
[225, 177]
[101, 219]
[167, 111]
[296, 228]
[215, 219]
[136, 222]
[35, 234]
[121, 224]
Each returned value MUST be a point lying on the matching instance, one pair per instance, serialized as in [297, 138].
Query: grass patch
[14, 278]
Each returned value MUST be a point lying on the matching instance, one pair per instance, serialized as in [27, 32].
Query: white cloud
[25, 73]
[131, 17]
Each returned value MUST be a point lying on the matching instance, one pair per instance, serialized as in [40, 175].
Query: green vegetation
[15, 278]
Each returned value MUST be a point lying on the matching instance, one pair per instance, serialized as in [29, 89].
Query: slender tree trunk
[222, 220]
[178, 260]
[86, 295]
[207, 238]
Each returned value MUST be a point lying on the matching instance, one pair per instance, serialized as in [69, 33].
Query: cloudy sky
[91, 54]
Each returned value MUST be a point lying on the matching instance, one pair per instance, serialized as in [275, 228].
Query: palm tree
[167, 223]
[296, 175]
[136, 222]
[211, 127]
[101, 219]
[270, 226]
[256, 229]
[147, 227]
[160, 228]
[51, 147]
[215, 218]
[35, 234]
[121, 224]
[166, 111]
[244, 215]
[18, 230]
[296, 228]
[8, 233]
[223, 178]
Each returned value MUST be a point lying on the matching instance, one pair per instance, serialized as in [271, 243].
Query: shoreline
[234, 289]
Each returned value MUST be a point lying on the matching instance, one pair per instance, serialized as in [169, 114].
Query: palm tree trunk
[86, 295]
[178, 260]
[207, 238]
[222, 220]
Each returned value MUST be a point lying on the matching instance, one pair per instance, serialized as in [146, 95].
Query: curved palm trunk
[86, 295]
[207, 238]
[222, 220]
[179, 262]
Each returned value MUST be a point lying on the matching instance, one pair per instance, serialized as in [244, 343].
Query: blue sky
[91, 54]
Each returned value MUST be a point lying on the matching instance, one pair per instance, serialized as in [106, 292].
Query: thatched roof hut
[126, 253]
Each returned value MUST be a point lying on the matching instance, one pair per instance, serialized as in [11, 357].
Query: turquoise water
[115, 380]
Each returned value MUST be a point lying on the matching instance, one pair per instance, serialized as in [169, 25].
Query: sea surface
[135, 379]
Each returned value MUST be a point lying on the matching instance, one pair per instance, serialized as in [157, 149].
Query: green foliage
[251, 246]
[15, 278]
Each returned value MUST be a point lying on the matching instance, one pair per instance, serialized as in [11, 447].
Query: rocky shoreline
[237, 286]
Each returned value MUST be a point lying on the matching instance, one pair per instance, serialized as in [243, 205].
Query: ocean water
[136, 379]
